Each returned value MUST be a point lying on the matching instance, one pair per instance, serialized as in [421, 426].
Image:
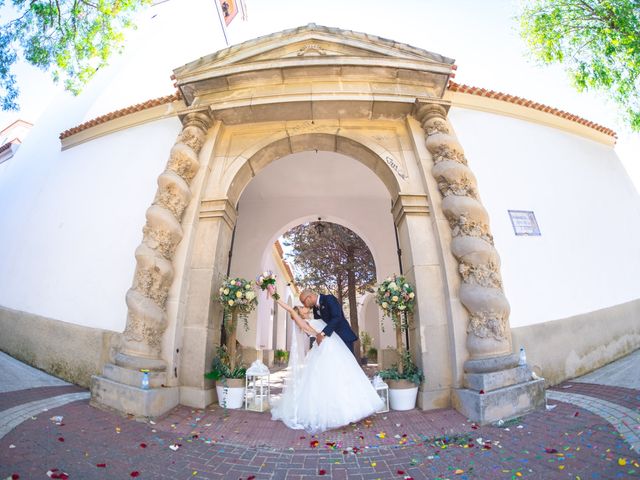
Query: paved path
[580, 437]
[621, 373]
[15, 375]
[624, 420]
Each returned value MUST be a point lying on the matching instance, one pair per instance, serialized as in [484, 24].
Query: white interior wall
[588, 211]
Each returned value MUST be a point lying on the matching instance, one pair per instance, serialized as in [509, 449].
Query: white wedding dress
[327, 389]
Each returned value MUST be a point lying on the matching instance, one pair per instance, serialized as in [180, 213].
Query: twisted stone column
[146, 299]
[481, 292]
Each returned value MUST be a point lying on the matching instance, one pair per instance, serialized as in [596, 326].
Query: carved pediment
[313, 53]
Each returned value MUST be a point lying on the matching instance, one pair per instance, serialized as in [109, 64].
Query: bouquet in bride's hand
[267, 281]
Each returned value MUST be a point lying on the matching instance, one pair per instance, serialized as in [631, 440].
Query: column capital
[200, 119]
[408, 204]
[432, 117]
[219, 208]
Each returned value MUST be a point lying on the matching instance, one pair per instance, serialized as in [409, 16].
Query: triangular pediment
[306, 43]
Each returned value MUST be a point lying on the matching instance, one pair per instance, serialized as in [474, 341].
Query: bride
[327, 388]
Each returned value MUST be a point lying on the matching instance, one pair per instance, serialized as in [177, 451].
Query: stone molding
[221, 208]
[146, 299]
[472, 244]
[408, 204]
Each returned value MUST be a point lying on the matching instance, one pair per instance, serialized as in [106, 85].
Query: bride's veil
[287, 408]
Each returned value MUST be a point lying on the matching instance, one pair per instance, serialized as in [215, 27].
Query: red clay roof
[453, 86]
[482, 92]
[120, 113]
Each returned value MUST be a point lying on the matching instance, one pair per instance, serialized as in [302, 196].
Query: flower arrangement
[265, 279]
[237, 295]
[396, 296]
[238, 299]
[397, 299]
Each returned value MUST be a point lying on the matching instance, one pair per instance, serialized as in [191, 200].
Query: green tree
[70, 38]
[332, 259]
[598, 42]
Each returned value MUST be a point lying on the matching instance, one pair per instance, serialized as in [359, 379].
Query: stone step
[488, 382]
[133, 377]
[132, 400]
[501, 404]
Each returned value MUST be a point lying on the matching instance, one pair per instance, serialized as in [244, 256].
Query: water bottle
[145, 379]
[523, 357]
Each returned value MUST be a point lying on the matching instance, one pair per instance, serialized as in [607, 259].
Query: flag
[229, 10]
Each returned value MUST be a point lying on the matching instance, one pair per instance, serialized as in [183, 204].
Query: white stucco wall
[71, 220]
[588, 211]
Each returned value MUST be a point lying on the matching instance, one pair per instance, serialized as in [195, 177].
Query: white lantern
[382, 390]
[257, 387]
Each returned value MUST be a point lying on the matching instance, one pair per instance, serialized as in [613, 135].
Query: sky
[480, 35]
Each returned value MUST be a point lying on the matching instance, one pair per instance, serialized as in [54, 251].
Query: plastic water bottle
[145, 379]
[523, 357]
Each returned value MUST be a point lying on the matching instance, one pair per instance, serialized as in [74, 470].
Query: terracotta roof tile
[456, 87]
[120, 113]
[453, 86]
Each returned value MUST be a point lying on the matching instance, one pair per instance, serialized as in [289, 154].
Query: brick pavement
[565, 442]
[545, 444]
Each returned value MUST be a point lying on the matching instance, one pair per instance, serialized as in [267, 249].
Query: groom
[329, 310]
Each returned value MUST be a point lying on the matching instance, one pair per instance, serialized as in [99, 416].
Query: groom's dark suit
[331, 313]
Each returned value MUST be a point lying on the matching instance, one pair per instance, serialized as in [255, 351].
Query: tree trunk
[353, 306]
[340, 289]
[231, 340]
[399, 343]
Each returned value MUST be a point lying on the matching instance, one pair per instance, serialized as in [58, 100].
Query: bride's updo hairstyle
[298, 310]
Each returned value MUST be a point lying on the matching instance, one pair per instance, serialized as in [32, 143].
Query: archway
[297, 189]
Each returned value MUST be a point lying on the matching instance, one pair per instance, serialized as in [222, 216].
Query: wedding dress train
[327, 389]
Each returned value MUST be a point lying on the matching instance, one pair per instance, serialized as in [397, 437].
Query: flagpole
[224, 32]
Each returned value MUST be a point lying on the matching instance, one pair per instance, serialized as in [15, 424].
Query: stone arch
[258, 156]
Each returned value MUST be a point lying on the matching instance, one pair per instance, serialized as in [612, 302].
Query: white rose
[231, 302]
[394, 298]
[401, 307]
[250, 295]
[265, 274]
[393, 286]
[226, 291]
[385, 304]
[411, 295]
[247, 286]
[239, 294]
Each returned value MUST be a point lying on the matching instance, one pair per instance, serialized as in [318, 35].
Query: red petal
[322, 472]
[400, 472]
[101, 465]
[576, 414]
[135, 473]
[15, 476]
[551, 450]
[143, 445]
[60, 439]
[251, 477]
[481, 392]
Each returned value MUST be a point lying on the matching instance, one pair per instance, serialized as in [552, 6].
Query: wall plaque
[524, 222]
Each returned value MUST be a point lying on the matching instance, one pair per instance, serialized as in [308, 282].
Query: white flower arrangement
[237, 296]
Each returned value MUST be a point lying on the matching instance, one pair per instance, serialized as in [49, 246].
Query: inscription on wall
[396, 168]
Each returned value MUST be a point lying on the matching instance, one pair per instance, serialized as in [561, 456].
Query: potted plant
[230, 382]
[404, 379]
[281, 356]
[365, 343]
[238, 299]
[372, 355]
[396, 297]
